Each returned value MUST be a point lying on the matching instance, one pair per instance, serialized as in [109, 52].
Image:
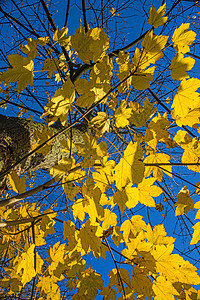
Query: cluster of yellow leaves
[60, 103]
[90, 46]
[96, 184]
[98, 85]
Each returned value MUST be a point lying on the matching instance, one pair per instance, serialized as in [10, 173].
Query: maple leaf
[88, 238]
[61, 37]
[152, 46]
[145, 191]
[141, 114]
[182, 38]
[156, 158]
[180, 65]
[60, 103]
[21, 71]
[89, 284]
[156, 17]
[40, 137]
[132, 227]
[184, 202]
[110, 219]
[122, 114]
[50, 65]
[109, 293]
[196, 234]
[130, 168]
[164, 289]
[91, 45]
[18, 184]
[26, 263]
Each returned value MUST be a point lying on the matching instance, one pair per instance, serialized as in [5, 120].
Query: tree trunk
[16, 140]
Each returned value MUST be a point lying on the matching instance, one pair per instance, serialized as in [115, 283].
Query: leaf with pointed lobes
[180, 65]
[21, 72]
[141, 114]
[152, 46]
[156, 17]
[145, 192]
[186, 97]
[60, 104]
[88, 285]
[50, 66]
[156, 158]
[90, 46]
[130, 168]
[122, 114]
[26, 263]
[18, 184]
[88, 238]
[61, 37]
[182, 38]
[163, 289]
[40, 137]
[184, 202]
[100, 123]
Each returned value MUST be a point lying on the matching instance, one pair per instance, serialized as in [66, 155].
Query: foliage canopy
[130, 114]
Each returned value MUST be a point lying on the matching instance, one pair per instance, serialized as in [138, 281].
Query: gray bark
[16, 140]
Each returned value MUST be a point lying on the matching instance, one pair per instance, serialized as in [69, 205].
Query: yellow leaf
[141, 114]
[180, 65]
[120, 198]
[164, 289]
[61, 37]
[26, 263]
[132, 194]
[122, 114]
[109, 293]
[78, 210]
[100, 123]
[197, 206]
[197, 190]
[152, 46]
[132, 227]
[186, 98]
[156, 17]
[90, 46]
[63, 167]
[88, 238]
[157, 236]
[50, 65]
[40, 137]
[184, 202]
[156, 158]
[88, 285]
[22, 72]
[93, 208]
[110, 219]
[141, 78]
[130, 168]
[60, 103]
[18, 184]
[30, 48]
[147, 190]
[182, 38]
[196, 234]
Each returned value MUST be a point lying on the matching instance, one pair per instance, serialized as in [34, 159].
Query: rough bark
[16, 140]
